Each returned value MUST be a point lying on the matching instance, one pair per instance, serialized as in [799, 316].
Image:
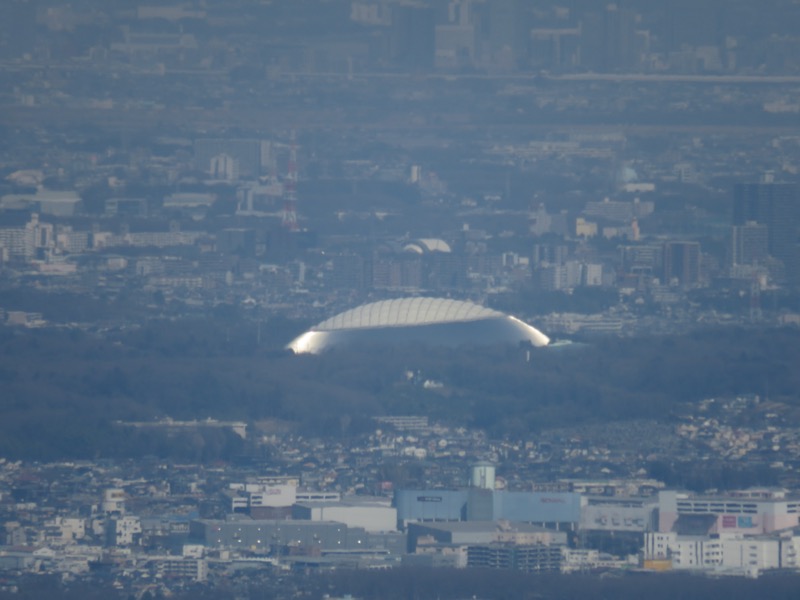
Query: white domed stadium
[435, 321]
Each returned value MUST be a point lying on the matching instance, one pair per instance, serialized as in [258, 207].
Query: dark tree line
[421, 584]
[60, 392]
[444, 584]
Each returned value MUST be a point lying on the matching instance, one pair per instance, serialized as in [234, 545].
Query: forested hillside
[61, 390]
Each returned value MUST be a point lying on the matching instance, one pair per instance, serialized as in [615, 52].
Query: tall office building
[507, 30]
[247, 154]
[692, 23]
[682, 262]
[776, 205]
[749, 244]
[412, 36]
[608, 39]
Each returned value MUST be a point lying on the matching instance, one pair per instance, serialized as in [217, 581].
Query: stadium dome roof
[425, 245]
[436, 321]
[403, 312]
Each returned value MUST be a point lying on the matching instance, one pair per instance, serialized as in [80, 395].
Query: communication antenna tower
[289, 220]
[755, 299]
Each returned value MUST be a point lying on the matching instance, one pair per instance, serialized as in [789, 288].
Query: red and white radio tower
[289, 220]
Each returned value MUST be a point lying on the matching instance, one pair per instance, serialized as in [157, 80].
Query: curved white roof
[435, 244]
[407, 311]
[423, 245]
[415, 248]
[436, 321]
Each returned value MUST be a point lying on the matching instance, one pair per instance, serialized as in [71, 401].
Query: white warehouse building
[373, 514]
[724, 552]
[754, 513]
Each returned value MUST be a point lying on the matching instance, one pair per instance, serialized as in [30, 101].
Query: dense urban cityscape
[399, 299]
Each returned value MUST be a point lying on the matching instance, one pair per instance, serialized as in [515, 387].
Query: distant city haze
[292, 288]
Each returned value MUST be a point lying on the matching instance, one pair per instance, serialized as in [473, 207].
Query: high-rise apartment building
[777, 206]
